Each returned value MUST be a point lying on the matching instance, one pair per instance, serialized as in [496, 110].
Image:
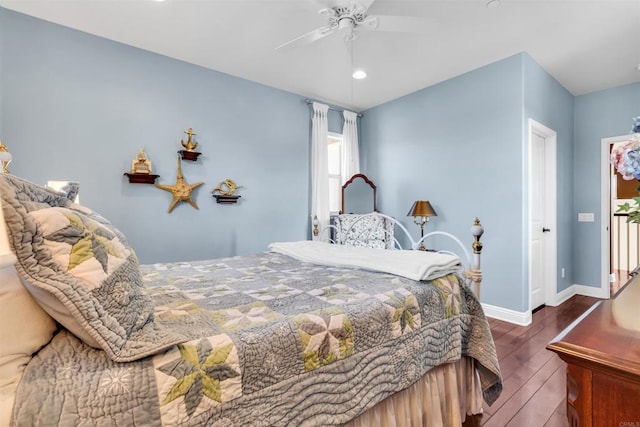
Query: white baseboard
[562, 296]
[589, 291]
[523, 318]
[506, 315]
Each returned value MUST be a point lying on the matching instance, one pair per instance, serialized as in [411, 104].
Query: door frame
[551, 210]
[605, 212]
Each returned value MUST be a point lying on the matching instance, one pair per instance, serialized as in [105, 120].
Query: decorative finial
[477, 230]
[315, 225]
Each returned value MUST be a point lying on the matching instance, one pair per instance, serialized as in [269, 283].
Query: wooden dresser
[602, 352]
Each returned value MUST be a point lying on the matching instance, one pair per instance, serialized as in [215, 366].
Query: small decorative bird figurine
[189, 145]
[181, 190]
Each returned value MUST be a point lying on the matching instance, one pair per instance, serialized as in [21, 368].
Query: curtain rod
[310, 101]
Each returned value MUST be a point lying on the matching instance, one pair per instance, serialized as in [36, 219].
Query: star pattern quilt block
[85, 248]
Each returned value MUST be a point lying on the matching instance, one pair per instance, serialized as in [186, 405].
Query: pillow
[81, 270]
[69, 188]
[24, 328]
[364, 230]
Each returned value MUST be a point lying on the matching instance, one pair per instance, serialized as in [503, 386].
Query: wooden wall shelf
[141, 178]
[189, 155]
[226, 200]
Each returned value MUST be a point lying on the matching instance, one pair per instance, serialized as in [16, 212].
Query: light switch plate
[586, 217]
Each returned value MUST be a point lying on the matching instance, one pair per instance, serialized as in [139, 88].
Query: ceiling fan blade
[328, 4]
[308, 38]
[327, 11]
[366, 4]
[401, 24]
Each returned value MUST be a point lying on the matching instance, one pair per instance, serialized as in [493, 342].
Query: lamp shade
[422, 208]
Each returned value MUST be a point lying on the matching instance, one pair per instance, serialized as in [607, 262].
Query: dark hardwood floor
[533, 377]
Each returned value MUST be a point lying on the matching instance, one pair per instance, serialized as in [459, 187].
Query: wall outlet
[586, 217]
[562, 273]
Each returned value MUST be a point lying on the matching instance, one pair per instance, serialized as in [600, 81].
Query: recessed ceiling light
[492, 4]
[359, 74]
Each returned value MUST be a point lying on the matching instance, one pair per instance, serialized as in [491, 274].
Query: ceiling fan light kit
[359, 74]
[350, 17]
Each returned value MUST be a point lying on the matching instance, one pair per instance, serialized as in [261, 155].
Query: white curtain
[350, 154]
[320, 168]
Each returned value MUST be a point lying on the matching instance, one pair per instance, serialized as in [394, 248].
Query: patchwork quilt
[267, 341]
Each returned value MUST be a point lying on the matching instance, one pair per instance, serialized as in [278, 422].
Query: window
[335, 179]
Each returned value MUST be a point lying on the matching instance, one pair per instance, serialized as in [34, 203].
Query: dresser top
[607, 336]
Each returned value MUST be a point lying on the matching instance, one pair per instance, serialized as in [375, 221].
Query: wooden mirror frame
[367, 181]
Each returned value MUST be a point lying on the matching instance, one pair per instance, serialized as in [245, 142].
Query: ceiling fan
[351, 16]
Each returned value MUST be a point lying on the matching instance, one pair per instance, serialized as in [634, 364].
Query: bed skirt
[441, 398]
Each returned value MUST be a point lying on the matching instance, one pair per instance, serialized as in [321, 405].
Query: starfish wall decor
[181, 190]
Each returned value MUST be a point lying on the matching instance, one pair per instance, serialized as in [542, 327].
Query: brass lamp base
[422, 247]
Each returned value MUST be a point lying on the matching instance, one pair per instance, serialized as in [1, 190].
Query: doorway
[620, 240]
[542, 190]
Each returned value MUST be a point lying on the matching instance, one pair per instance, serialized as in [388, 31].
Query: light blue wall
[424, 145]
[2, 18]
[78, 107]
[459, 145]
[549, 103]
[598, 115]
[75, 106]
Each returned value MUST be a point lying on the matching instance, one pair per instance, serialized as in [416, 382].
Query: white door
[537, 221]
[542, 211]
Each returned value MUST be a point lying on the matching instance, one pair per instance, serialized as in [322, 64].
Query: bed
[299, 335]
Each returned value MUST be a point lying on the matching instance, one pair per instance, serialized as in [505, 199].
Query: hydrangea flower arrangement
[626, 160]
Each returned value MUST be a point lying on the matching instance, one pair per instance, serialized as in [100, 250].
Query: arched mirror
[358, 195]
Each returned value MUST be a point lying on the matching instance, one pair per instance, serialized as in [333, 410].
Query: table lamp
[421, 211]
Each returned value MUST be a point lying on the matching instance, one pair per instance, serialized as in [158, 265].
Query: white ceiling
[587, 45]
